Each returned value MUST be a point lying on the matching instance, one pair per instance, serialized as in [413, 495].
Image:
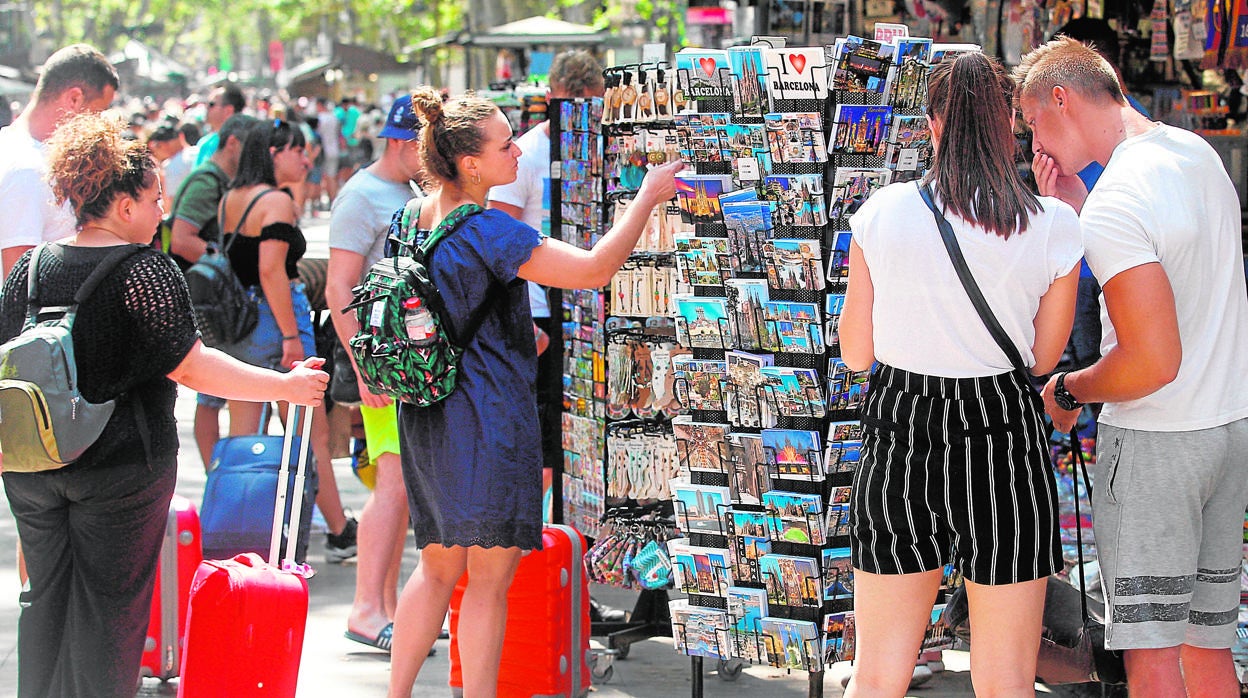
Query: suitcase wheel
[730, 669]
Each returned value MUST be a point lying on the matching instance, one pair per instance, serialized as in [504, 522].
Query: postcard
[702, 571]
[791, 580]
[851, 187]
[744, 553]
[795, 137]
[698, 196]
[701, 445]
[795, 517]
[703, 74]
[838, 260]
[749, 228]
[796, 73]
[745, 146]
[794, 265]
[699, 507]
[748, 90]
[794, 392]
[846, 389]
[860, 130]
[796, 453]
[699, 259]
[907, 82]
[842, 456]
[840, 638]
[742, 397]
[746, 299]
[700, 631]
[909, 144]
[861, 65]
[747, 607]
[799, 199]
[749, 467]
[703, 323]
[837, 521]
[795, 327]
[699, 383]
[942, 51]
[792, 644]
[847, 430]
[838, 574]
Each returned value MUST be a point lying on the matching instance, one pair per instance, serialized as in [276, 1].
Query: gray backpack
[45, 423]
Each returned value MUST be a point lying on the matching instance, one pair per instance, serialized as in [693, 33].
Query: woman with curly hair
[473, 462]
[92, 531]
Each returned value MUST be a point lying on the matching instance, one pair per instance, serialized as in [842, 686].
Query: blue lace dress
[473, 462]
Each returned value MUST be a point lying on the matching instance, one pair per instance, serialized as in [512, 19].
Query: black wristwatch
[1062, 396]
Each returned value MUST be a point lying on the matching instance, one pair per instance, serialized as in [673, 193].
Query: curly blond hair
[90, 165]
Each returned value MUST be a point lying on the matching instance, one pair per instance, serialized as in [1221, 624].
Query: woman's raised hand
[660, 184]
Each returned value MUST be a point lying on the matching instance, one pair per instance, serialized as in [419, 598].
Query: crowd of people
[954, 465]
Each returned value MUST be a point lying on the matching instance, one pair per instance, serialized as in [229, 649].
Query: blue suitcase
[237, 511]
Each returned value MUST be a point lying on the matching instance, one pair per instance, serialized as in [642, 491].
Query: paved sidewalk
[334, 666]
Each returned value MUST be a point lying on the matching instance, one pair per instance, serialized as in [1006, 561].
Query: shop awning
[538, 30]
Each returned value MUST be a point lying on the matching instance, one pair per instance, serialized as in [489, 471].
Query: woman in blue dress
[473, 462]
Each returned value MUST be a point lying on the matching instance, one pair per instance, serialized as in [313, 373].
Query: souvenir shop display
[705, 384]
[784, 145]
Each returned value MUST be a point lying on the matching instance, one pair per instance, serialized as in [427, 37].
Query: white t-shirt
[177, 168]
[1165, 197]
[531, 193]
[362, 212]
[31, 215]
[923, 320]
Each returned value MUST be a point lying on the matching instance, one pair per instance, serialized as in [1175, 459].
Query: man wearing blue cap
[358, 223]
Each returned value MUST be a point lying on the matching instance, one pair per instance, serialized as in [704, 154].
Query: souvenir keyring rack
[649, 617]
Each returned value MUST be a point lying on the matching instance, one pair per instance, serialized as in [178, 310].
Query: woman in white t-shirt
[955, 465]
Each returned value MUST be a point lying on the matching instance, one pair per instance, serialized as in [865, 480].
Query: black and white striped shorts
[954, 470]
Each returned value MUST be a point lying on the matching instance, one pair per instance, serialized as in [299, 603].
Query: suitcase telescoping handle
[283, 476]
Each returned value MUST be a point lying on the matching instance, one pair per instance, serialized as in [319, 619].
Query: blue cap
[402, 123]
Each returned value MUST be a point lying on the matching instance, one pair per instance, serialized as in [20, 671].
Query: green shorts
[381, 430]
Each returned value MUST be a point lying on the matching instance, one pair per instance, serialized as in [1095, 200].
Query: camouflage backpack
[420, 373]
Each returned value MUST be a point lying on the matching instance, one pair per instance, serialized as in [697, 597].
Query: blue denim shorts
[264, 346]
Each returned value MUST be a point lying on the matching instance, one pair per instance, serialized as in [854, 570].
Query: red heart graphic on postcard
[708, 66]
[798, 61]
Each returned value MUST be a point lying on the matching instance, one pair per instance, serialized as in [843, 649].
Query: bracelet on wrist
[287, 338]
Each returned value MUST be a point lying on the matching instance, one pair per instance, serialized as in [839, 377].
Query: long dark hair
[255, 164]
[973, 170]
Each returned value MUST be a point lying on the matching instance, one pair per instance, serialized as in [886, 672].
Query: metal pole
[695, 665]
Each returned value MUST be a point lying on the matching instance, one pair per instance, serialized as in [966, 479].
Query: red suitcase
[179, 558]
[245, 623]
[546, 648]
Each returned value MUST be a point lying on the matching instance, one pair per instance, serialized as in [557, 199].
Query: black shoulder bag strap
[93, 280]
[1011, 351]
[221, 219]
[493, 297]
[968, 282]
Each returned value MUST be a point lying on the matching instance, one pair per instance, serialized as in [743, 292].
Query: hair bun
[428, 103]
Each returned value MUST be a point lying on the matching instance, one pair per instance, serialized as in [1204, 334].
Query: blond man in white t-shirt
[1162, 235]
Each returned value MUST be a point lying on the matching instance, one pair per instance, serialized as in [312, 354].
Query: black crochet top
[245, 251]
[129, 335]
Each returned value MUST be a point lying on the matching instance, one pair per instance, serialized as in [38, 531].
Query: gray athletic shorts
[1169, 514]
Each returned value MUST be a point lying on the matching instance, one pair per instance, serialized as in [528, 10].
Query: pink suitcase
[179, 558]
[245, 624]
[546, 646]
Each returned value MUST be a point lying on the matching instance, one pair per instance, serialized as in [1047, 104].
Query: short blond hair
[1071, 64]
